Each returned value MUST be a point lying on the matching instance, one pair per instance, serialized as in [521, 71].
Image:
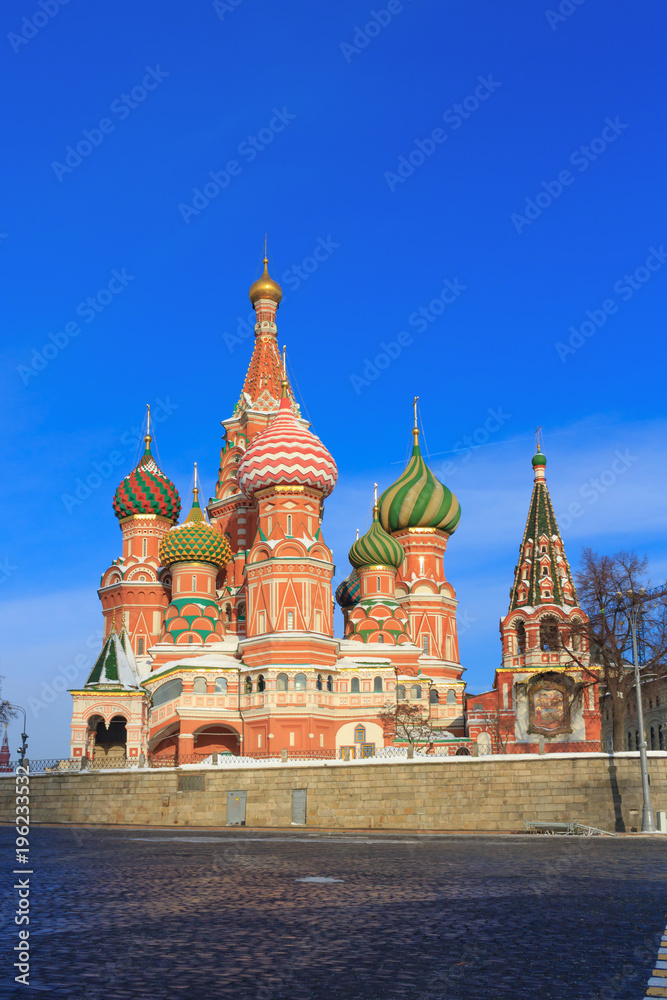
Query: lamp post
[648, 821]
[23, 749]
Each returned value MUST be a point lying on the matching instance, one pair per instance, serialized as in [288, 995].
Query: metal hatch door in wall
[299, 805]
[236, 808]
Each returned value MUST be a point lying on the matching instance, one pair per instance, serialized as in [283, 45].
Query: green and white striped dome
[376, 547]
[418, 500]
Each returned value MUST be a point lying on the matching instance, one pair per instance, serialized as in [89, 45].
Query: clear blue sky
[514, 153]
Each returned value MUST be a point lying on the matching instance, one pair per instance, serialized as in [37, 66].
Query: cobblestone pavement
[118, 914]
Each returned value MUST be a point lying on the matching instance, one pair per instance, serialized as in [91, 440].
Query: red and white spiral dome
[286, 454]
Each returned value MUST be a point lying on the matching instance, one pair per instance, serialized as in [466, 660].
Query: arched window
[194, 582]
[360, 734]
[415, 691]
[167, 692]
[228, 614]
[191, 638]
[653, 743]
[354, 685]
[261, 685]
[290, 620]
[199, 686]
[433, 696]
[380, 638]
[400, 692]
[281, 682]
[144, 546]
[377, 684]
[520, 630]
[221, 685]
[300, 682]
[140, 647]
[329, 683]
[289, 524]
[318, 683]
[549, 640]
[426, 645]
[240, 613]
[248, 685]
[451, 697]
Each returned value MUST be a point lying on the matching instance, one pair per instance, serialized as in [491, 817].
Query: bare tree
[406, 721]
[7, 710]
[500, 727]
[607, 633]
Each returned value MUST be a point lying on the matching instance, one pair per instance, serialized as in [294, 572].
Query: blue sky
[486, 188]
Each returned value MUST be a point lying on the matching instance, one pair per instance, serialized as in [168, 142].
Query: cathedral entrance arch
[217, 738]
[109, 741]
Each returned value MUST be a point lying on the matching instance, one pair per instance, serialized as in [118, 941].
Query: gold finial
[538, 435]
[124, 620]
[113, 620]
[375, 492]
[283, 381]
[195, 489]
[415, 429]
[357, 534]
[266, 256]
[148, 437]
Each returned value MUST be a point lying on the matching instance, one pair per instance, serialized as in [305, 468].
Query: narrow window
[360, 734]
[220, 685]
[377, 685]
[380, 638]
[259, 741]
[318, 683]
[289, 524]
[354, 685]
[261, 684]
[433, 696]
[290, 620]
[329, 683]
[400, 692]
[379, 590]
[269, 525]
[140, 647]
[281, 682]
[144, 546]
[291, 739]
[653, 746]
[190, 638]
[194, 582]
[451, 697]
[261, 622]
[426, 645]
[199, 686]
[321, 739]
[421, 565]
[300, 682]
[416, 692]
[248, 686]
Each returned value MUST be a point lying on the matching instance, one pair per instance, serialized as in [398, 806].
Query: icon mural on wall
[548, 709]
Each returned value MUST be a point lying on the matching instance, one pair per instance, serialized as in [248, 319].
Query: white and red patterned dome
[286, 454]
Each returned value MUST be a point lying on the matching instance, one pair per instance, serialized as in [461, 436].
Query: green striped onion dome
[376, 547]
[418, 500]
[146, 490]
[349, 591]
[195, 541]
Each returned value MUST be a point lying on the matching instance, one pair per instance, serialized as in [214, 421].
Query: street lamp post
[23, 749]
[648, 821]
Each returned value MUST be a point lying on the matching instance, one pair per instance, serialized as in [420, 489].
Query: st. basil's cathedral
[218, 631]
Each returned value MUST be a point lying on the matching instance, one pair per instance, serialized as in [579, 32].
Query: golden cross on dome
[148, 438]
[538, 435]
[415, 429]
[196, 486]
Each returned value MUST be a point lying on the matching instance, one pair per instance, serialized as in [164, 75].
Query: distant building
[540, 690]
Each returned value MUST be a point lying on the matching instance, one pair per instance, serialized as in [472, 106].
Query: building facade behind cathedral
[219, 629]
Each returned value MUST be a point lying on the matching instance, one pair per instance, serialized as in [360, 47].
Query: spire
[148, 437]
[542, 575]
[196, 513]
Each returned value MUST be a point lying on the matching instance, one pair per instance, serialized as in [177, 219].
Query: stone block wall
[455, 794]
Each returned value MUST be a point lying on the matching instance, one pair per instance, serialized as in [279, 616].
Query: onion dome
[418, 500]
[265, 287]
[195, 540]
[349, 591]
[146, 490]
[286, 454]
[376, 547]
[539, 459]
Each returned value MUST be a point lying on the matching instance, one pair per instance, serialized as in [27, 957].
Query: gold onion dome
[265, 287]
[195, 540]
[376, 547]
[418, 500]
